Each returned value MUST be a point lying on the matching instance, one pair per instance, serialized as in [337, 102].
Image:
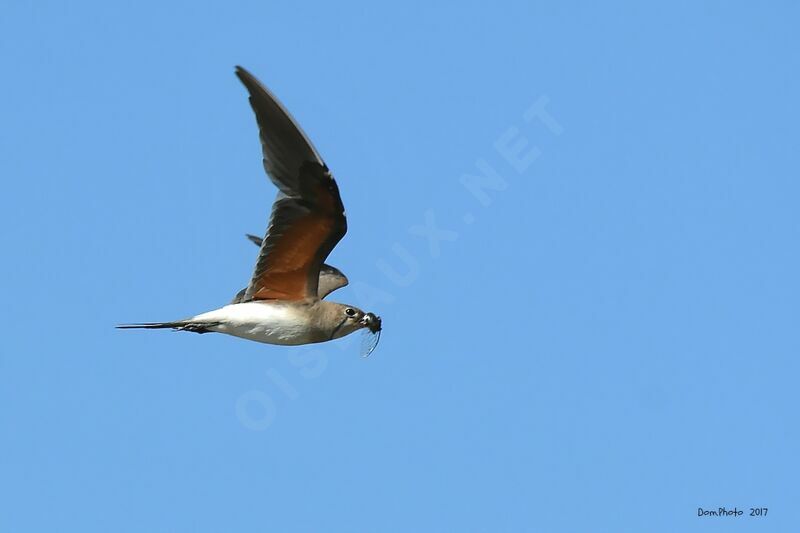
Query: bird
[284, 303]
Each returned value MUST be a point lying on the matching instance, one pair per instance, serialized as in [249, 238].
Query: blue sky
[601, 335]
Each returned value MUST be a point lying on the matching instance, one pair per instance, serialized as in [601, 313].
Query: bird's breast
[265, 321]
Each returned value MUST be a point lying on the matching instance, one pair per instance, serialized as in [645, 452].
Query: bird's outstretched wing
[330, 278]
[308, 216]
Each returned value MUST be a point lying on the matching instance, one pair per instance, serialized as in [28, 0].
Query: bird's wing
[255, 239]
[307, 217]
[330, 278]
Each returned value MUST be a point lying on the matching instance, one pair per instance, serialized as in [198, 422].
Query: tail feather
[152, 325]
[181, 325]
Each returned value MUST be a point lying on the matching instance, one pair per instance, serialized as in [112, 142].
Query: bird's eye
[350, 311]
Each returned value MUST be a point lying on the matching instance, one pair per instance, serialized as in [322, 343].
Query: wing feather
[307, 219]
[330, 278]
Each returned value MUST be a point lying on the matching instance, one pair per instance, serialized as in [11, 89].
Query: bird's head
[345, 319]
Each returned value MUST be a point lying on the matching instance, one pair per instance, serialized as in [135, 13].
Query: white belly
[272, 323]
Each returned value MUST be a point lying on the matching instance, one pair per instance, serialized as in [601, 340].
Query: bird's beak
[371, 321]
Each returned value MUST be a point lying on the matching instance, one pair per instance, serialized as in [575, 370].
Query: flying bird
[284, 301]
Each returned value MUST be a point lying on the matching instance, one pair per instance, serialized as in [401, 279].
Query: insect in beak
[372, 334]
[371, 321]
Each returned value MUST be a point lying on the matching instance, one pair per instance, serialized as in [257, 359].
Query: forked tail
[151, 325]
[181, 325]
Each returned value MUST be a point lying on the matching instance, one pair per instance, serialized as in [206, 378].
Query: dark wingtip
[255, 239]
[243, 74]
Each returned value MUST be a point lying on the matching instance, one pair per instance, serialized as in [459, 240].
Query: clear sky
[579, 223]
